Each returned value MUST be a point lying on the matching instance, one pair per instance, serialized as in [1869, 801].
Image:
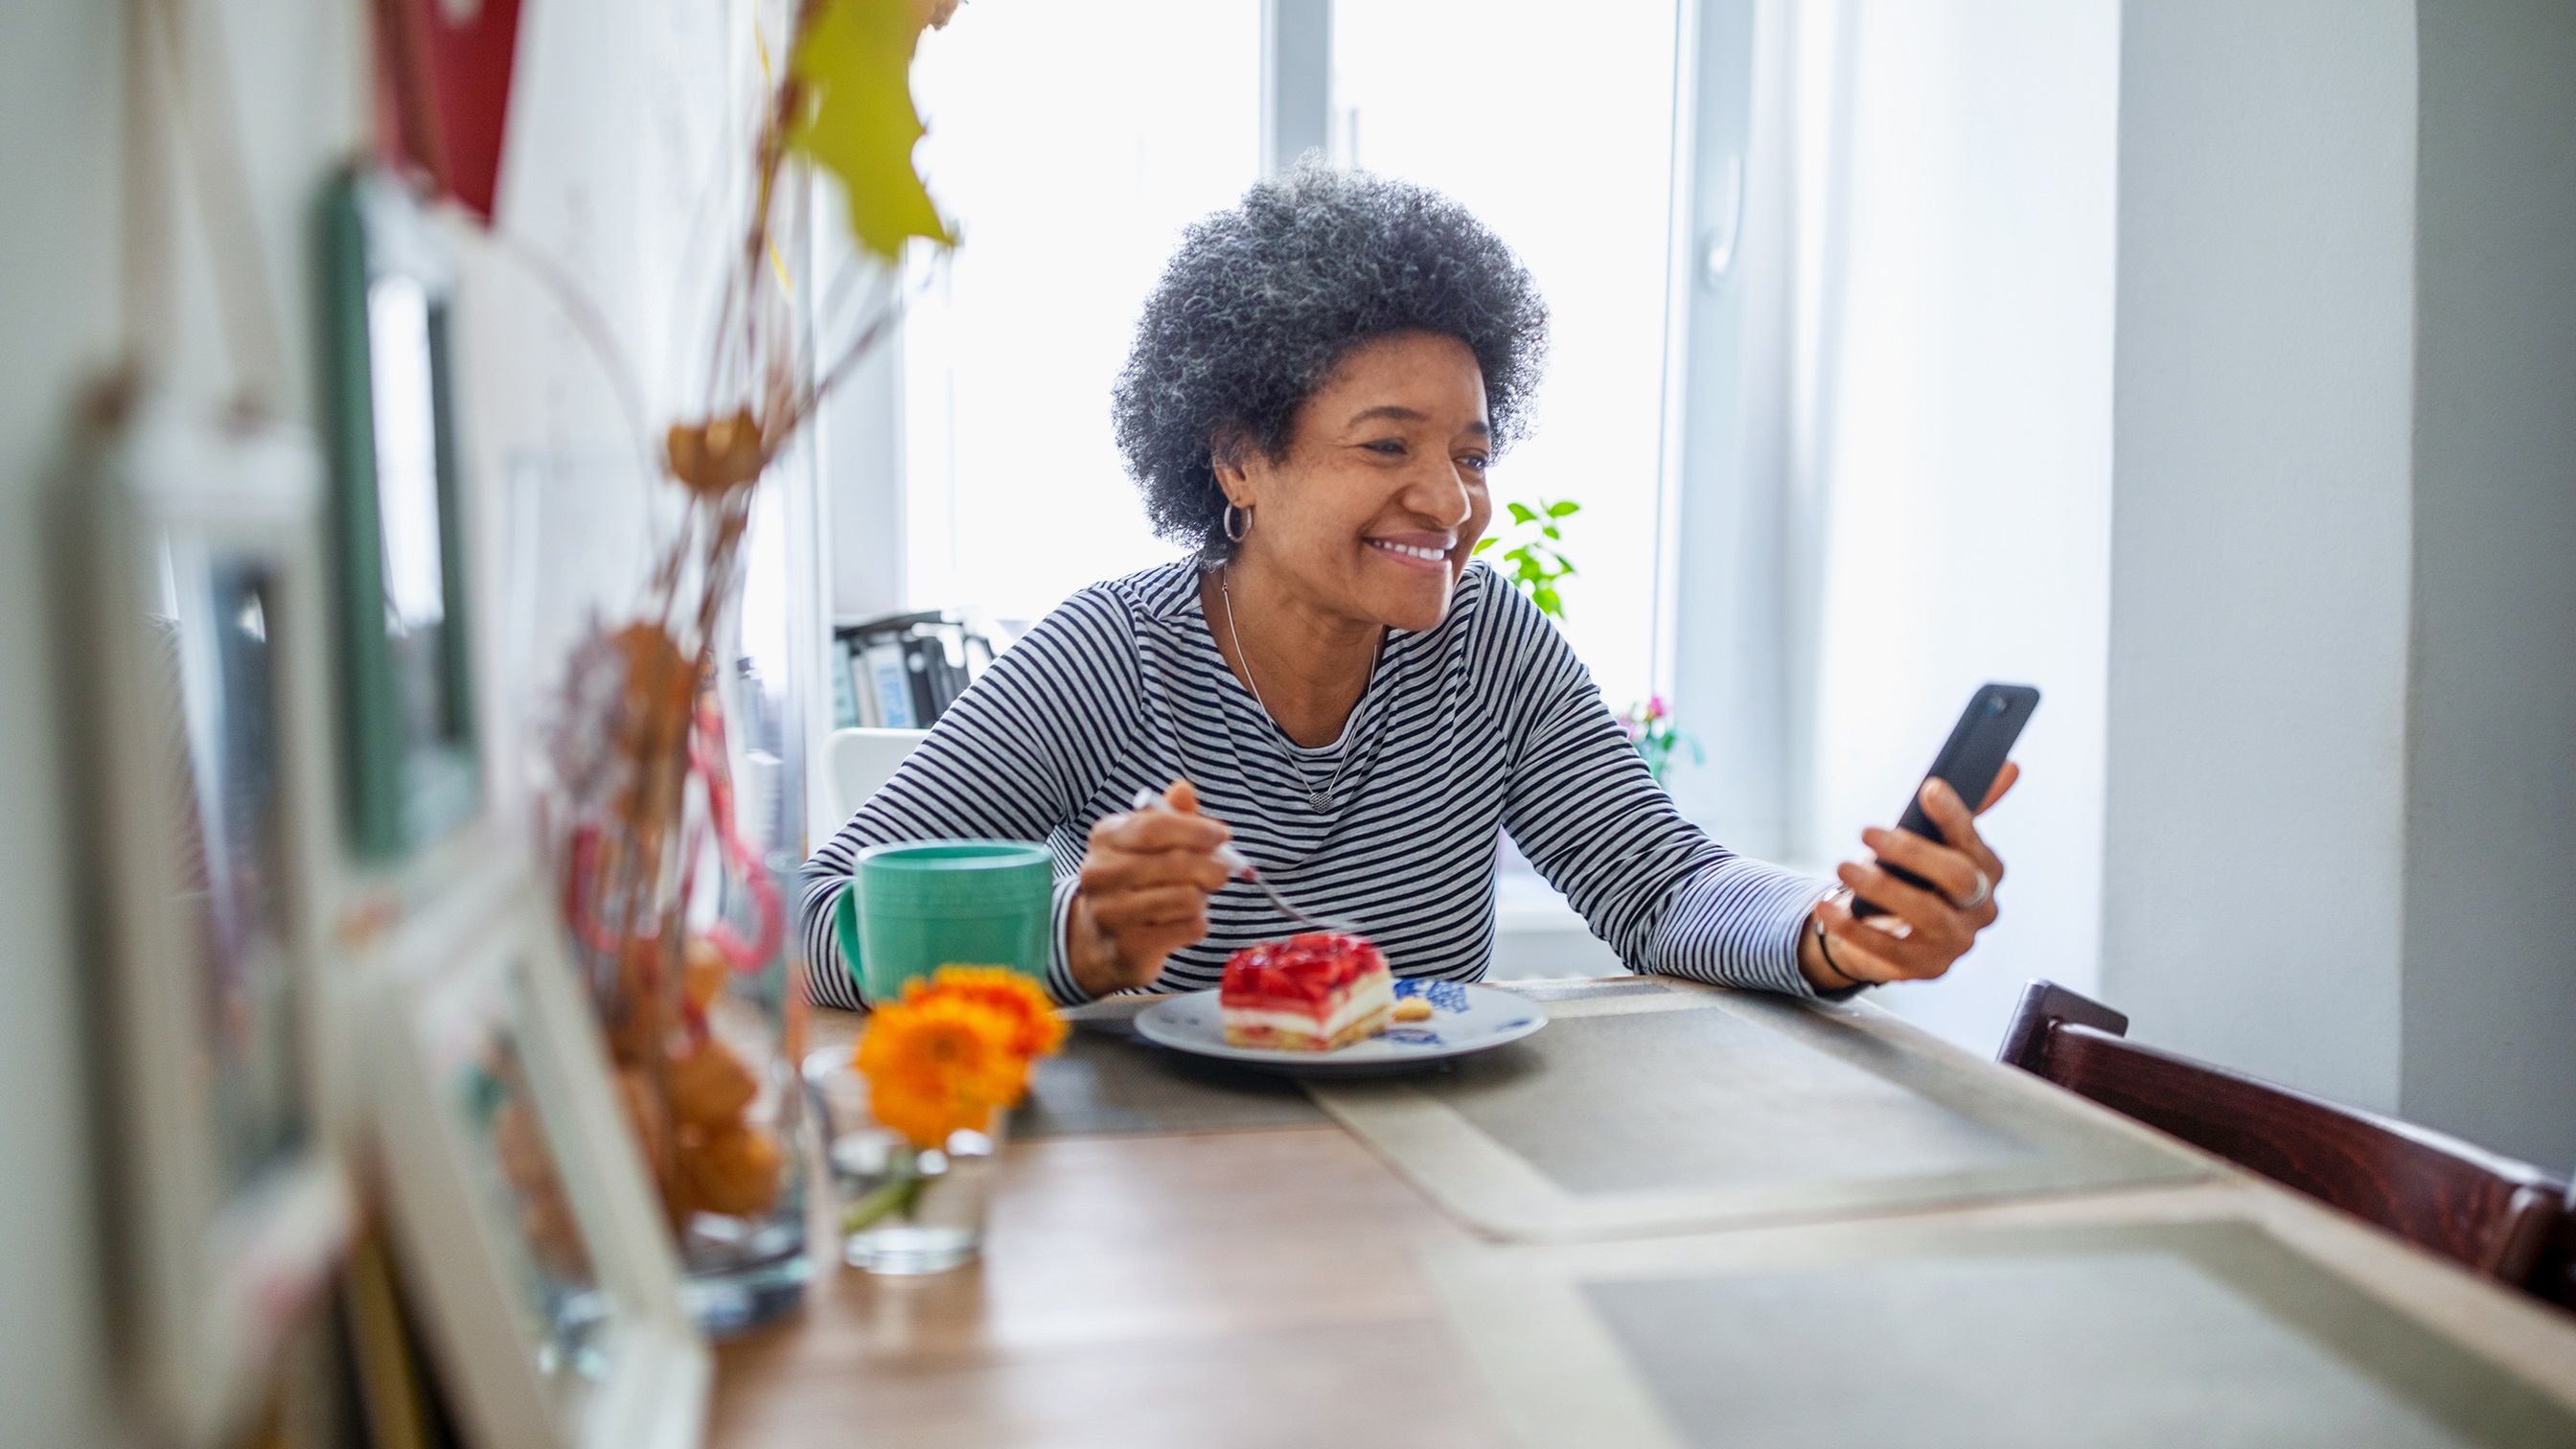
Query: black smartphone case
[1974, 754]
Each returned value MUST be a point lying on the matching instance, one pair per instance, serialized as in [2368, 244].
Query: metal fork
[1242, 869]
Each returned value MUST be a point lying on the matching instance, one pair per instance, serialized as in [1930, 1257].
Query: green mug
[915, 906]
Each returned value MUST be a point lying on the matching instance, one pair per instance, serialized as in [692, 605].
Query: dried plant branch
[627, 865]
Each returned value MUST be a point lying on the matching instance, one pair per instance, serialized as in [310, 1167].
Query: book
[905, 670]
[918, 652]
[846, 714]
[890, 682]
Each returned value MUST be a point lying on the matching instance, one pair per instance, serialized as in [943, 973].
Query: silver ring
[1985, 892]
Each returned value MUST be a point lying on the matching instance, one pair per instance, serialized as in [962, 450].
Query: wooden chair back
[2504, 1218]
[2555, 1279]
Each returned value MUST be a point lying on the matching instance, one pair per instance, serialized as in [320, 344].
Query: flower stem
[900, 1194]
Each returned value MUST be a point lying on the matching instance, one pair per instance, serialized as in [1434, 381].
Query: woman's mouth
[1415, 555]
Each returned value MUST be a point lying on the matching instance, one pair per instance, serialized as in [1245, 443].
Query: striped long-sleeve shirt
[1485, 723]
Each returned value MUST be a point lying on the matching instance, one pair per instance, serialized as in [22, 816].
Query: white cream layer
[1376, 993]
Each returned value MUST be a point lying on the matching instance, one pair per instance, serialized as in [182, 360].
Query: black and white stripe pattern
[1484, 724]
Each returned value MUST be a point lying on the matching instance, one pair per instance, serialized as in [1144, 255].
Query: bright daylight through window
[1072, 153]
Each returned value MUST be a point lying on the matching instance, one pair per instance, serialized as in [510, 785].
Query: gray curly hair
[1262, 302]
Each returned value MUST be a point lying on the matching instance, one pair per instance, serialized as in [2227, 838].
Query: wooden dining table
[1283, 1285]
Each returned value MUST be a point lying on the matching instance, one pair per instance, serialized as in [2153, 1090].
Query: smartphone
[1975, 754]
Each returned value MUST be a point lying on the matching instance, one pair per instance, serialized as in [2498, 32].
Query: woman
[1318, 386]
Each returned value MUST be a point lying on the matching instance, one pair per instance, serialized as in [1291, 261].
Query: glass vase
[742, 1217]
[673, 807]
[899, 1209]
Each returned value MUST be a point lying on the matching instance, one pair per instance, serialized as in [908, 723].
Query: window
[1072, 144]
[1554, 126]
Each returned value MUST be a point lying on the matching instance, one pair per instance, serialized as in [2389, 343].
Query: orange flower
[937, 1065]
[1037, 1030]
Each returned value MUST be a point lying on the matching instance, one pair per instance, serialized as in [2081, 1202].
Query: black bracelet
[1825, 949]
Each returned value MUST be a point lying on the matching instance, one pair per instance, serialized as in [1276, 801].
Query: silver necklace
[1321, 800]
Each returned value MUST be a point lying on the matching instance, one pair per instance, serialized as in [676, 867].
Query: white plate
[1464, 1019]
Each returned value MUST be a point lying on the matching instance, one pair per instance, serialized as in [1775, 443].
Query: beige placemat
[1584, 988]
[2207, 1334]
[1677, 1106]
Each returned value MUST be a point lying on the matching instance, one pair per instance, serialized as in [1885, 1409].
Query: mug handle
[845, 925]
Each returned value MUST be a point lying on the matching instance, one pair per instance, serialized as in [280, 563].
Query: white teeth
[1407, 550]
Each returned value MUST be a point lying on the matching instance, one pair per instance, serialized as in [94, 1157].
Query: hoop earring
[1230, 535]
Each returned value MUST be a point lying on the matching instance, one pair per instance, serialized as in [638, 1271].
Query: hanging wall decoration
[407, 698]
[196, 577]
[443, 91]
[551, 1294]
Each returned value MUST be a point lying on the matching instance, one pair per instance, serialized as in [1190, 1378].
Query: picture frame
[406, 662]
[520, 1205]
[196, 605]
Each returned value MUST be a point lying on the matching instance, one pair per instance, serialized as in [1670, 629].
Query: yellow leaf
[855, 62]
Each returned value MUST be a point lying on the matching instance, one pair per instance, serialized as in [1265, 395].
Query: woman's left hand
[1925, 931]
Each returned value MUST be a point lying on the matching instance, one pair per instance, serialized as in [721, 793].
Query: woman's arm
[1583, 807]
[1143, 893]
[1585, 810]
[1012, 759]
[1925, 931]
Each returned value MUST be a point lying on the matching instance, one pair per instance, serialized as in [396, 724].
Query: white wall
[1949, 354]
[62, 96]
[2260, 535]
[620, 135]
[2490, 991]
[59, 102]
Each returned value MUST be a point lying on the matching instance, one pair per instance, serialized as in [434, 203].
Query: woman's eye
[1386, 448]
[1475, 462]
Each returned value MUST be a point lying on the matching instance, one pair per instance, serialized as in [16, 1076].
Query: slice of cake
[1306, 994]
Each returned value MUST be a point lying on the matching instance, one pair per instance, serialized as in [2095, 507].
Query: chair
[2503, 1218]
[2555, 1279]
[856, 763]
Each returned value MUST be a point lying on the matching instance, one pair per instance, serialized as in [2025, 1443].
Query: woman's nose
[1445, 496]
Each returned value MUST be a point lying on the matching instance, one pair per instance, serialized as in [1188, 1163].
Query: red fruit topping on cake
[1308, 993]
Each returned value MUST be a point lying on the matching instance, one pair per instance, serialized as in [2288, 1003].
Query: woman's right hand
[1144, 893]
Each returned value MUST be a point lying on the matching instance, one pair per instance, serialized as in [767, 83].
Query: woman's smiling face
[1376, 505]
